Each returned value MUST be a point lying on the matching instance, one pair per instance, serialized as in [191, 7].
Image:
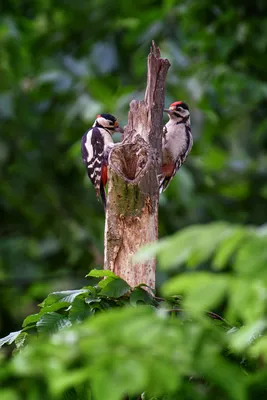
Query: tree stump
[133, 190]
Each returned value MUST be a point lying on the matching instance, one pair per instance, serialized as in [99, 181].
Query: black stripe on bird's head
[108, 122]
[178, 109]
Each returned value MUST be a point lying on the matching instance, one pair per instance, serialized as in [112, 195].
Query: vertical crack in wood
[132, 207]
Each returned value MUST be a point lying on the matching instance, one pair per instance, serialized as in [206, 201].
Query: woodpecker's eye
[110, 123]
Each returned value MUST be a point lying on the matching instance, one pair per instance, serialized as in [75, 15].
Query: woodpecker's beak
[168, 110]
[117, 127]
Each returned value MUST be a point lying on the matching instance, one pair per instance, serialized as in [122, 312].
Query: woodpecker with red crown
[177, 142]
[96, 145]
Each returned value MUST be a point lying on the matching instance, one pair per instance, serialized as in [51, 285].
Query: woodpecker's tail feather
[164, 183]
[161, 181]
[103, 195]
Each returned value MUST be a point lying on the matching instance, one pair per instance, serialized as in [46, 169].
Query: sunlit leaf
[52, 322]
[21, 339]
[99, 273]
[246, 335]
[66, 296]
[9, 338]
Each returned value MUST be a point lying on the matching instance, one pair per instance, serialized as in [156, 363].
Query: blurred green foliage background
[63, 62]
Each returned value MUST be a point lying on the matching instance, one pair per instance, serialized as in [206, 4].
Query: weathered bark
[132, 206]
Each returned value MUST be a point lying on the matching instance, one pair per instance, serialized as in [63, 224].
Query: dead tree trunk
[133, 194]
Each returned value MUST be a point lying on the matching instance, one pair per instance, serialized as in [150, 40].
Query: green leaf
[251, 258]
[230, 378]
[258, 349]
[90, 300]
[207, 296]
[248, 292]
[115, 389]
[99, 273]
[66, 296]
[20, 340]
[139, 295]
[184, 283]
[9, 338]
[228, 246]
[116, 288]
[79, 310]
[104, 282]
[143, 285]
[31, 319]
[67, 380]
[202, 289]
[242, 338]
[192, 245]
[205, 240]
[52, 322]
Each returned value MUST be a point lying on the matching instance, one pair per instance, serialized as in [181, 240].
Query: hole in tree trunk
[129, 159]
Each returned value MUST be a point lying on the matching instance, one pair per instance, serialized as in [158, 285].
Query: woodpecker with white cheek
[177, 142]
[96, 145]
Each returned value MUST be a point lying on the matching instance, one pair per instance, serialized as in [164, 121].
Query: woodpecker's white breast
[175, 141]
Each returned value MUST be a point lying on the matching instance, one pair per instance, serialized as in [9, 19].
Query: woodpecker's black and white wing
[189, 145]
[164, 181]
[92, 154]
